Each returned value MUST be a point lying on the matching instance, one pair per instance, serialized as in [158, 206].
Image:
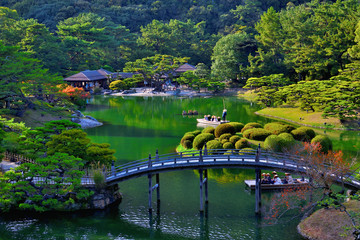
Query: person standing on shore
[224, 114]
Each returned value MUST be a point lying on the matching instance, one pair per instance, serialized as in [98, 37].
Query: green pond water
[137, 126]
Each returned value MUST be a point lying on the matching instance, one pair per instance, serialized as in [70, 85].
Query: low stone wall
[105, 197]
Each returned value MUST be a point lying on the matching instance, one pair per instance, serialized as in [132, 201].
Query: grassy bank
[37, 118]
[298, 116]
[329, 224]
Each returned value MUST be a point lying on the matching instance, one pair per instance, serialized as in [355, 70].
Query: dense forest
[233, 41]
[298, 53]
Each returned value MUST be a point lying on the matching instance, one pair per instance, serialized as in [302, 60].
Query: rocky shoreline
[85, 121]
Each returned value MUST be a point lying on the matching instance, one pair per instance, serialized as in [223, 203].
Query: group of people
[266, 179]
[215, 118]
[212, 118]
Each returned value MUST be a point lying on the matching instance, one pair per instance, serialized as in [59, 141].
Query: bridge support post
[206, 186]
[158, 187]
[257, 184]
[201, 191]
[258, 191]
[150, 192]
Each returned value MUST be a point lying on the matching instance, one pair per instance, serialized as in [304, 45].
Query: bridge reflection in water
[215, 158]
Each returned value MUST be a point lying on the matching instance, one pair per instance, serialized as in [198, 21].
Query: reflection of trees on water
[148, 112]
[229, 175]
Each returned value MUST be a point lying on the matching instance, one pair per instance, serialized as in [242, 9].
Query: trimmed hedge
[226, 136]
[187, 136]
[289, 140]
[242, 143]
[231, 152]
[187, 144]
[250, 126]
[259, 134]
[213, 144]
[208, 130]
[201, 139]
[196, 132]
[224, 128]
[228, 145]
[274, 143]
[234, 139]
[325, 143]
[245, 151]
[237, 125]
[303, 134]
[277, 128]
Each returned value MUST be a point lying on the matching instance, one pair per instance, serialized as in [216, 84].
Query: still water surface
[137, 126]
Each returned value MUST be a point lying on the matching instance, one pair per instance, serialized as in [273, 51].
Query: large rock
[105, 197]
[89, 123]
[76, 120]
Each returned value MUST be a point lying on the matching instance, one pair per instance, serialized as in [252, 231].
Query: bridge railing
[198, 158]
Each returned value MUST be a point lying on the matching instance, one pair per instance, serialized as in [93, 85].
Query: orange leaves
[75, 92]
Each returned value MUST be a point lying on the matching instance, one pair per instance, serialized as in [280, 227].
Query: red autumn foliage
[75, 92]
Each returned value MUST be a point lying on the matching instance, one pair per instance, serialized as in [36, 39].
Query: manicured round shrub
[250, 126]
[226, 136]
[246, 151]
[208, 130]
[228, 145]
[224, 128]
[118, 85]
[274, 143]
[237, 125]
[224, 141]
[289, 140]
[324, 141]
[286, 136]
[303, 134]
[277, 128]
[234, 139]
[187, 144]
[309, 131]
[201, 139]
[242, 143]
[196, 132]
[259, 134]
[231, 152]
[213, 144]
[187, 136]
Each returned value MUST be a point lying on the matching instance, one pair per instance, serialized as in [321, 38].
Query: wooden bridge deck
[211, 159]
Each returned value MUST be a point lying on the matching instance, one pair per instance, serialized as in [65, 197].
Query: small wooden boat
[251, 185]
[203, 121]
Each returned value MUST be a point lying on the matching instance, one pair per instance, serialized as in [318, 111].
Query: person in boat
[206, 117]
[224, 114]
[184, 112]
[219, 119]
[288, 178]
[268, 178]
[212, 118]
[277, 180]
[215, 119]
[264, 179]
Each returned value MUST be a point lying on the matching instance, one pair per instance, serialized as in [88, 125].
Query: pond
[137, 126]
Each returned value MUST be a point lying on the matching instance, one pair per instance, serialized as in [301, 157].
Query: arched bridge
[218, 158]
[215, 158]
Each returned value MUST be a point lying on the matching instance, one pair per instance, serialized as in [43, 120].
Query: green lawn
[294, 114]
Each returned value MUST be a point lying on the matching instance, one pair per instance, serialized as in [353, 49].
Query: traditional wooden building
[184, 68]
[89, 79]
